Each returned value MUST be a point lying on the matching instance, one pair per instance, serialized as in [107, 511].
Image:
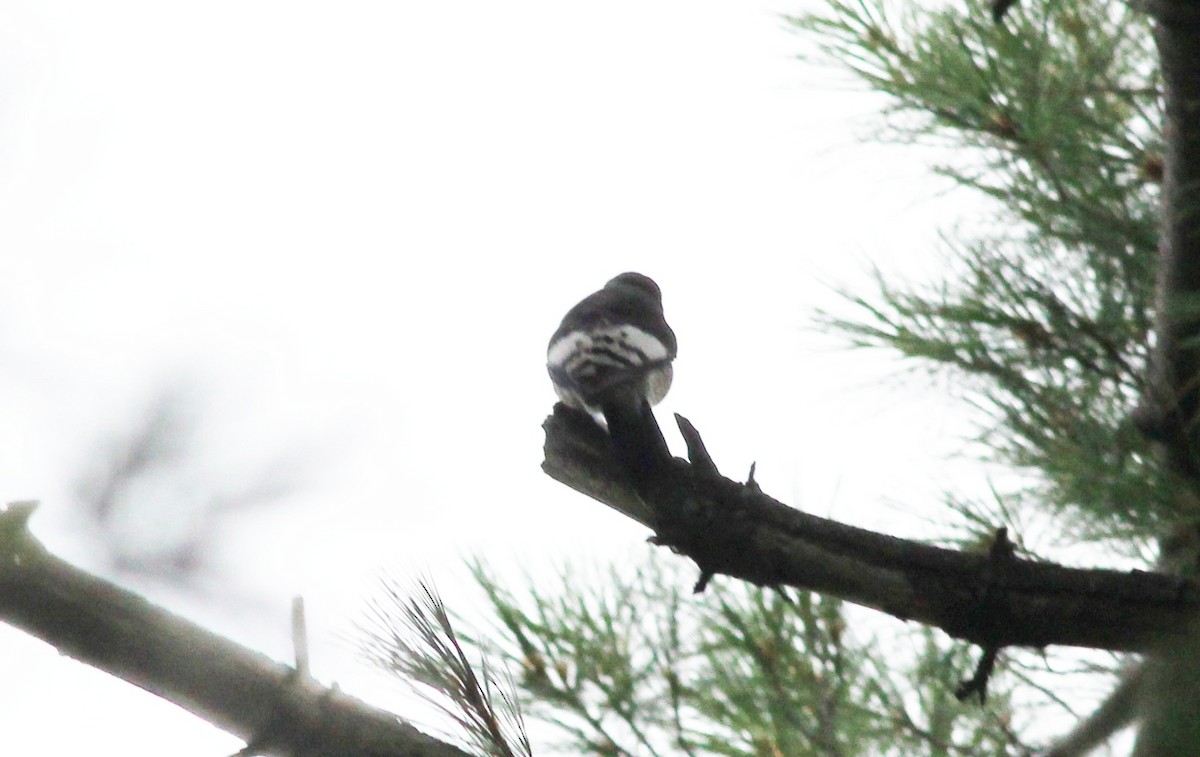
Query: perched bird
[611, 357]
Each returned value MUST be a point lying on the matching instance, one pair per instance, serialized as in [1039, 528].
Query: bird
[611, 357]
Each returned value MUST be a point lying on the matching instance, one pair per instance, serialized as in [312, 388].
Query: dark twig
[978, 683]
[696, 450]
[1001, 7]
[750, 482]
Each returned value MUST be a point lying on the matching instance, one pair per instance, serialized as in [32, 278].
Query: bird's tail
[635, 433]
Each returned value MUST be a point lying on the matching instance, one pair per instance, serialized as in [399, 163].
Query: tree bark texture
[994, 600]
[237, 690]
[1176, 362]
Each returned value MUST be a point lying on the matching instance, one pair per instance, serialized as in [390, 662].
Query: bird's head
[635, 281]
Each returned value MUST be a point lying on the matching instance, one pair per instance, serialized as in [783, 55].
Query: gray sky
[344, 232]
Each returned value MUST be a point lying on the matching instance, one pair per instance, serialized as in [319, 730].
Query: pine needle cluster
[1044, 316]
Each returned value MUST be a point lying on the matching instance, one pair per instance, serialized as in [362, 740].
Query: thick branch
[734, 529]
[235, 689]
[1176, 364]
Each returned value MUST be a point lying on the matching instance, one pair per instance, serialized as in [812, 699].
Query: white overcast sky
[346, 230]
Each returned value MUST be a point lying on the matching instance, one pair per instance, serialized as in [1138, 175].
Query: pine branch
[237, 690]
[734, 529]
[410, 633]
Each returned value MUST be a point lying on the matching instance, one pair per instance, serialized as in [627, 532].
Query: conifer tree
[1068, 317]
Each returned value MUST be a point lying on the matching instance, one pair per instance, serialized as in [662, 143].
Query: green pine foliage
[1044, 316]
[409, 633]
[630, 663]
[634, 664]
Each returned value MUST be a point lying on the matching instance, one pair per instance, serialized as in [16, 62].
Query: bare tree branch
[240, 691]
[734, 529]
